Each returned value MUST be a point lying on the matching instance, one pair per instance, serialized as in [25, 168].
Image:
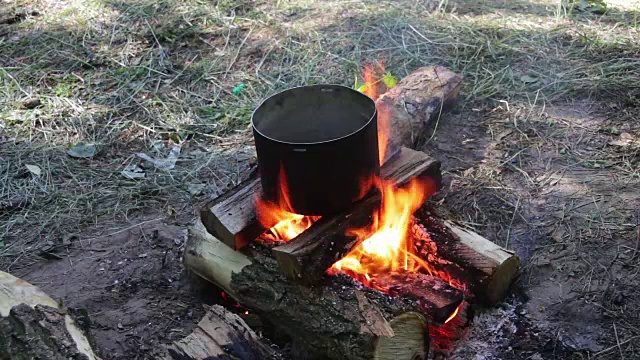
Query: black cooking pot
[323, 139]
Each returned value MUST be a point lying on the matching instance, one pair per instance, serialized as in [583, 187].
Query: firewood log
[338, 320]
[34, 326]
[232, 216]
[486, 268]
[220, 334]
[415, 101]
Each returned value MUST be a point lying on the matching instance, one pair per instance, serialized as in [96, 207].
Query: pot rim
[373, 115]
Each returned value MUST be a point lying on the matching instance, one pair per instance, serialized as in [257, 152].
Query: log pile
[335, 317]
[338, 320]
[408, 108]
[307, 257]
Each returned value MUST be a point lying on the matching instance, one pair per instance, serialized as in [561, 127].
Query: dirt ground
[541, 155]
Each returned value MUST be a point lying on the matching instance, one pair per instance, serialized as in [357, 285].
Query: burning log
[220, 334]
[338, 320]
[484, 267]
[33, 326]
[432, 294]
[417, 99]
[308, 256]
[232, 217]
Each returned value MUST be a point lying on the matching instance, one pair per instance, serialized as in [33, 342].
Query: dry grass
[143, 76]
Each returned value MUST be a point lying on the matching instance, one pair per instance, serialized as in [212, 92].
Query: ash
[505, 333]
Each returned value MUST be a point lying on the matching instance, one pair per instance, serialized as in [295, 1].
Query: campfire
[366, 268]
[288, 224]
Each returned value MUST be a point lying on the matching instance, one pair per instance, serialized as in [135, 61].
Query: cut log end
[410, 340]
[502, 278]
[498, 264]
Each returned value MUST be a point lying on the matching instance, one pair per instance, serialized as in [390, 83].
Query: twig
[618, 345]
[635, 251]
[615, 331]
[515, 211]
[123, 230]
[235, 58]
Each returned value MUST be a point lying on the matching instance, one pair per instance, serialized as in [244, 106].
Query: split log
[417, 99]
[221, 335]
[338, 320]
[307, 257]
[232, 218]
[33, 326]
[485, 268]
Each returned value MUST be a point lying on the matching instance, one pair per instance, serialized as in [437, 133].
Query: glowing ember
[288, 225]
[453, 316]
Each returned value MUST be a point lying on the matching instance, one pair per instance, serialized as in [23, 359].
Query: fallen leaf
[132, 171]
[32, 103]
[196, 189]
[34, 169]
[82, 150]
[625, 139]
[528, 79]
[67, 239]
[389, 80]
[558, 234]
[167, 163]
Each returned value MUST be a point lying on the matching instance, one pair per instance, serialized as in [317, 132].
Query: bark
[33, 326]
[339, 319]
[486, 269]
[415, 101]
[220, 335]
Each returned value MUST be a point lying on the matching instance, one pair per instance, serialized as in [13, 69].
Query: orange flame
[373, 88]
[288, 224]
[384, 130]
[384, 246]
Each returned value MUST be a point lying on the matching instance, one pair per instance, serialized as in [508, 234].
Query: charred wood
[340, 319]
[486, 269]
[307, 257]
